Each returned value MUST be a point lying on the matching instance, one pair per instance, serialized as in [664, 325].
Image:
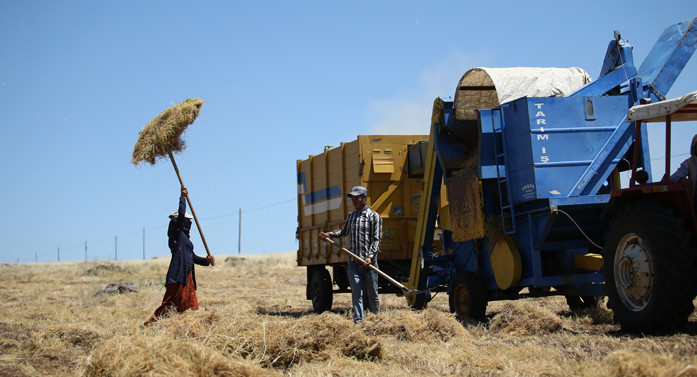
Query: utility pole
[59, 254]
[239, 234]
[85, 251]
[36, 257]
[143, 243]
[115, 249]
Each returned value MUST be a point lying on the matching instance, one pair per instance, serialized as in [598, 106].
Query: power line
[671, 156]
[269, 206]
[249, 210]
[85, 243]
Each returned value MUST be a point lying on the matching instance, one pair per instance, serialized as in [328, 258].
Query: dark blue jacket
[183, 257]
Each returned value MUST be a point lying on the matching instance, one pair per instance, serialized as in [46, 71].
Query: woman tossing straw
[160, 138]
[181, 276]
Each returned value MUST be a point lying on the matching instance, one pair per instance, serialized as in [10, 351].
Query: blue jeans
[358, 276]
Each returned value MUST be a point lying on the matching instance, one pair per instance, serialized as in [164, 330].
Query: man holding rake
[364, 226]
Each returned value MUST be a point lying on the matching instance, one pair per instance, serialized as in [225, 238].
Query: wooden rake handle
[370, 266]
[176, 169]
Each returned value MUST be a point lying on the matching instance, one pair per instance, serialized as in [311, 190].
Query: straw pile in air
[162, 135]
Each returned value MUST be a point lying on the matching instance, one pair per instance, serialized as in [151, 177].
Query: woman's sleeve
[200, 260]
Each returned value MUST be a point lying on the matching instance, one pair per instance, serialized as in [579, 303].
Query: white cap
[175, 214]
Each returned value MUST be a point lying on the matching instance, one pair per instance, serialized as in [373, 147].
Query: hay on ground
[429, 325]
[525, 318]
[162, 135]
[279, 342]
[312, 338]
[162, 355]
[639, 364]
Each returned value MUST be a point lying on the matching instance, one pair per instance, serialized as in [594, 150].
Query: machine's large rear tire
[468, 296]
[649, 268]
[321, 290]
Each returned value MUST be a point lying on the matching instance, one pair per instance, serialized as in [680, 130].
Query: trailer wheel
[649, 265]
[321, 290]
[341, 277]
[468, 296]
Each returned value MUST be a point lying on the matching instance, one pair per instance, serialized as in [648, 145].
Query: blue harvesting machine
[522, 187]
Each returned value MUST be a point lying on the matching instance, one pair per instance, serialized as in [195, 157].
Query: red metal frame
[672, 195]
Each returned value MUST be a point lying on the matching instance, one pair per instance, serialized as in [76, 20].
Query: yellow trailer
[391, 167]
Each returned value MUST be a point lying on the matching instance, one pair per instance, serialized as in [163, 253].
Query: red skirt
[177, 296]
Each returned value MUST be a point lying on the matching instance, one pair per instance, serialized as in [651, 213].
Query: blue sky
[80, 79]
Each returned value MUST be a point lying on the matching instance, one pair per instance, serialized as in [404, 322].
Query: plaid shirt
[364, 226]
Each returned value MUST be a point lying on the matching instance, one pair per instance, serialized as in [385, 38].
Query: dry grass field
[254, 320]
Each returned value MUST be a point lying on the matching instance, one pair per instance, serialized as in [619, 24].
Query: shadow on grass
[690, 328]
[296, 313]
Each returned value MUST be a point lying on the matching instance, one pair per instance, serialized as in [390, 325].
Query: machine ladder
[507, 209]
